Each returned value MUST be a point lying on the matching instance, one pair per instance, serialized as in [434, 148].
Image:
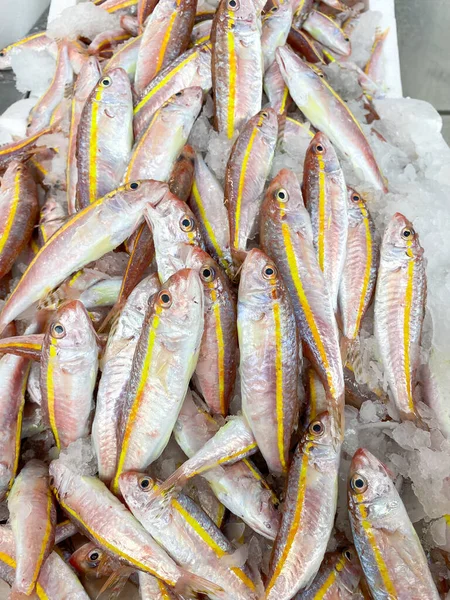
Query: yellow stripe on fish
[12, 213]
[231, 104]
[45, 540]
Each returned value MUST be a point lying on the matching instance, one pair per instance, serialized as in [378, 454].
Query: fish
[240, 487]
[269, 358]
[165, 36]
[338, 577]
[276, 90]
[374, 68]
[325, 30]
[360, 269]
[393, 561]
[93, 562]
[156, 151]
[182, 175]
[152, 588]
[53, 215]
[247, 170]
[113, 6]
[305, 45]
[33, 522]
[286, 236]
[27, 346]
[19, 210]
[325, 195]
[144, 9]
[38, 42]
[104, 137]
[85, 237]
[125, 57]
[116, 371]
[106, 522]
[164, 361]
[22, 148]
[190, 69]
[215, 373]
[207, 204]
[316, 397]
[69, 367]
[64, 530]
[237, 65]
[309, 510]
[60, 88]
[276, 24]
[107, 40]
[201, 33]
[400, 298]
[300, 11]
[318, 101]
[232, 442]
[187, 534]
[86, 80]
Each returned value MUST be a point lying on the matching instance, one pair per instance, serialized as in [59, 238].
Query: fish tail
[189, 583]
[173, 484]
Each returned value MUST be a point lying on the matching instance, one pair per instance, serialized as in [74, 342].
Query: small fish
[116, 370]
[325, 196]
[325, 30]
[93, 562]
[107, 40]
[318, 101]
[104, 137]
[166, 35]
[187, 534]
[375, 67]
[400, 309]
[393, 561]
[247, 170]
[62, 83]
[164, 361]
[87, 236]
[32, 516]
[237, 65]
[19, 209]
[269, 363]
[309, 512]
[191, 69]
[182, 175]
[276, 24]
[39, 42]
[156, 151]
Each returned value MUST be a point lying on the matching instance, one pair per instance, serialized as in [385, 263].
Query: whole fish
[393, 561]
[33, 520]
[38, 42]
[318, 101]
[21, 148]
[374, 67]
[269, 363]
[287, 237]
[108, 40]
[247, 170]
[309, 510]
[166, 35]
[69, 366]
[125, 57]
[86, 80]
[87, 236]
[325, 196]
[191, 69]
[215, 372]
[19, 209]
[276, 24]
[56, 579]
[173, 225]
[165, 358]
[360, 269]
[207, 204]
[61, 86]
[240, 486]
[104, 137]
[116, 371]
[399, 310]
[337, 579]
[187, 534]
[182, 175]
[237, 65]
[325, 30]
[156, 151]
[232, 442]
[105, 521]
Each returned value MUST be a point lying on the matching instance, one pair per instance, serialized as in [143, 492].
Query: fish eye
[179, 94]
[348, 554]
[407, 233]
[316, 428]
[165, 298]
[106, 82]
[58, 331]
[356, 197]
[2, 53]
[187, 223]
[274, 9]
[94, 555]
[264, 114]
[134, 185]
[145, 483]
[347, 39]
[207, 274]
[320, 74]
[233, 4]
[269, 272]
[319, 149]
[282, 195]
[358, 483]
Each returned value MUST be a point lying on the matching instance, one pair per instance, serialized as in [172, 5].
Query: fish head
[321, 156]
[321, 431]
[113, 89]
[267, 123]
[211, 274]
[260, 281]
[350, 568]
[370, 483]
[137, 490]
[15, 169]
[356, 207]
[294, 69]
[188, 100]
[400, 240]
[92, 561]
[236, 11]
[284, 201]
[5, 58]
[72, 328]
[89, 75]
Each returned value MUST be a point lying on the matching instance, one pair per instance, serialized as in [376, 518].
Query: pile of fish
[175, 324]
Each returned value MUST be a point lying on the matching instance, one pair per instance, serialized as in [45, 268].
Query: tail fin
[189, 583]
